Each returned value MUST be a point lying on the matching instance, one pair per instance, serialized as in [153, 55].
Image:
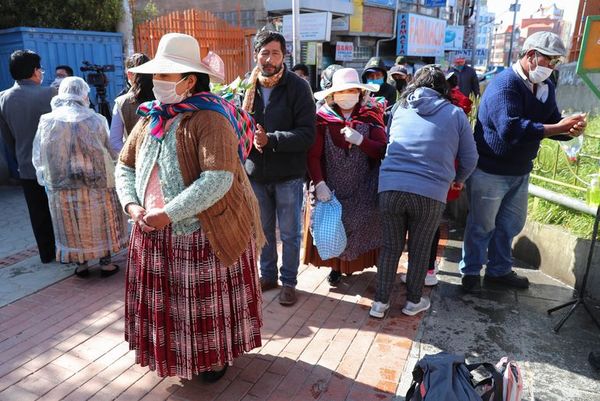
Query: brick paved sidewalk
[65, 342]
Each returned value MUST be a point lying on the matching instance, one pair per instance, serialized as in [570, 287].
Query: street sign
[344, 51]
[589, 57]
[314, 27]
[512, 7]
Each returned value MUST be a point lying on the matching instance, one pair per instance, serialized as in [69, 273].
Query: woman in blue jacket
[427, 135]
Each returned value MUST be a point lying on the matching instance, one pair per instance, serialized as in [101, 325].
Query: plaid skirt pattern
[184, 310]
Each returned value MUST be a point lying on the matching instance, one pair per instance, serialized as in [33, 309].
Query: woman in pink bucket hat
[193, 301]
[344, 160]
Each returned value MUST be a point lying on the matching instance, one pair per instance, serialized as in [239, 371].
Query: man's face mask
[400, 84]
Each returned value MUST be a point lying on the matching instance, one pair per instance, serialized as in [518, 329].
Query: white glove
[323, 192]
[352, 136]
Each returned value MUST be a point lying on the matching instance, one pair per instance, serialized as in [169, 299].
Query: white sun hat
[179, 53]
[345, 78]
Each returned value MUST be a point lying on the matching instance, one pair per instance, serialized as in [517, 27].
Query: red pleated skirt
[185, 312]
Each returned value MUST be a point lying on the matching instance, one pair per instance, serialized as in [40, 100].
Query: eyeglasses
[553, 61]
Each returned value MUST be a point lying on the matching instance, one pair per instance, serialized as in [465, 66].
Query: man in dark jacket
[468, 83]
[376, 73]
[283, 107]
[20, 109]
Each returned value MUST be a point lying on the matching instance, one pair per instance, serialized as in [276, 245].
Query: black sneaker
[213, 376]
[471, 284]
[511, 279]
[334, 277]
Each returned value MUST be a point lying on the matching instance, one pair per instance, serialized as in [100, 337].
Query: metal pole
[296, 31]
[512, 33]
[475, 32]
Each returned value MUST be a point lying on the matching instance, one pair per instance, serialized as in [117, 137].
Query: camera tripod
[580, 300]
[103, 106]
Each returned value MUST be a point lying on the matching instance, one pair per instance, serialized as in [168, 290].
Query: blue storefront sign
[435, 3]
[420, 35]
[380, 3]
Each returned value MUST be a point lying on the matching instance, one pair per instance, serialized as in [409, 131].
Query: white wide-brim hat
[178, 53]
[345, 78]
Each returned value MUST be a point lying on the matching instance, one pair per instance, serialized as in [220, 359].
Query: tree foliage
[89, 15]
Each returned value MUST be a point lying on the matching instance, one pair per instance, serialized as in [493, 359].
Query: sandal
[107, 273]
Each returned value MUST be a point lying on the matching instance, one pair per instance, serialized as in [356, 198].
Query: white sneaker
[378, 309]
[412, 309]
[430, 278]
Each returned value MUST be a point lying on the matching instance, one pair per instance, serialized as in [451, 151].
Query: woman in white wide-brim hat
[344, 159]
[193, 301]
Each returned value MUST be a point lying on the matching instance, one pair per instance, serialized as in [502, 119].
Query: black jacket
[289, 120]
[386, 90]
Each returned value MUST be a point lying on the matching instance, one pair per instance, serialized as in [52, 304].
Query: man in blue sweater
[517, 111]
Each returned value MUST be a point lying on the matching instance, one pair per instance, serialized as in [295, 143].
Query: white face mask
[56, 82]
[540, 74]
[165, 92]
[346, 101]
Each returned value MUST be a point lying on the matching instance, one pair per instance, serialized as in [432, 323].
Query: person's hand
[157, 218]
[573, 125]
[323, 192]
[457, 186]
[137, 214]
[579, 127]
[352, 136]
[260, 138]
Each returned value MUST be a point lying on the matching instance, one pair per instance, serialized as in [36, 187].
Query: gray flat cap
[547, 43]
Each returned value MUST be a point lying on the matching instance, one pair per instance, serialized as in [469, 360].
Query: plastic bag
[572, 147]
[327, 229]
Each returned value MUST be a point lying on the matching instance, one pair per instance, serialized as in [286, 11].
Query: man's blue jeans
[497, 213]
[281, 202]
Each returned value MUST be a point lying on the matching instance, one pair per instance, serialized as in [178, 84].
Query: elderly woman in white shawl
[73, 160]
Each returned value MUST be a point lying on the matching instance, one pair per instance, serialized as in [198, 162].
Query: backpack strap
[413, 393]
[496, 380]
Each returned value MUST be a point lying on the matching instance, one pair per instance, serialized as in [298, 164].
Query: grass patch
[553, 163]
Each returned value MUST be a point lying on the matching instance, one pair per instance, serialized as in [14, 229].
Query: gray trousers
[402, 213]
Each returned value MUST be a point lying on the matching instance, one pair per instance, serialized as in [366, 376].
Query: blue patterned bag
[327, 229]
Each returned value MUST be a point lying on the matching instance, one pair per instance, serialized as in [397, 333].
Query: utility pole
[475, 32]
[296, 31]
[515, 8]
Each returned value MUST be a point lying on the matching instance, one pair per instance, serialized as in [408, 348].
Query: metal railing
[565, 181]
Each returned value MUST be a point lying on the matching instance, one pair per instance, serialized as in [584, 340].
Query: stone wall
[573, 94]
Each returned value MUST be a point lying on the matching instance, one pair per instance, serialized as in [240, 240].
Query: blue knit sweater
[510, 125]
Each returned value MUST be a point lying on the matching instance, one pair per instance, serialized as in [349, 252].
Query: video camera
[98, 79]
[96, 76]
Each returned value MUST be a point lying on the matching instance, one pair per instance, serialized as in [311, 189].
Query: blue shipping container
[66, 47]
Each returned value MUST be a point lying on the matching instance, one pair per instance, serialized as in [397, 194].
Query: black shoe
[511, 279]
[108, 273]
[594, 360]
[471, 284]
[82, 273]
[213, 376]
[334, 277]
